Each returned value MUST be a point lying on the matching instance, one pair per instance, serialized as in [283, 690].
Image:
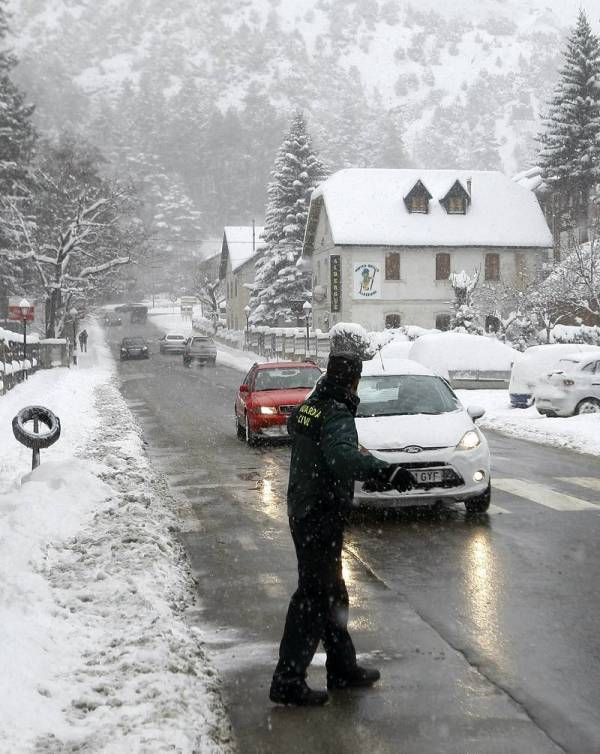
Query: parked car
[535, 364]
[112, 319]
[411, 417]
[572, 388]
[199, 348]
[134, 348]
[172, 342]
[268, 395]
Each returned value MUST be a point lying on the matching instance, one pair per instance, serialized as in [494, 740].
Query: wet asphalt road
[486, 630]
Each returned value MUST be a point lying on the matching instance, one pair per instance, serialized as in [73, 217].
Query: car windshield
[133, 342]
[287, 378]
[175, 337]
[406, 394]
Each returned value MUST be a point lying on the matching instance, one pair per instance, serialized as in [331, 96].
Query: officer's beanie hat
[343, 367]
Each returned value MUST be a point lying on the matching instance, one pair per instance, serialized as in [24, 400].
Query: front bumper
[141, 355]
[463, 463]
[521, 400]
[269, 425]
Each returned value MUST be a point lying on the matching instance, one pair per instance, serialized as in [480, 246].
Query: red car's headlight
[268, 410]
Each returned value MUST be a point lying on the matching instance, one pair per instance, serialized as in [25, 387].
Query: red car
[267, 396]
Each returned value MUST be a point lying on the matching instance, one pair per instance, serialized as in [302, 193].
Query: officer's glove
[378, 484]
[401, 479]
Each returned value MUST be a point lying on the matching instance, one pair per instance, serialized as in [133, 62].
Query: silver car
[200, 348]
[573, 388]
[172, 342]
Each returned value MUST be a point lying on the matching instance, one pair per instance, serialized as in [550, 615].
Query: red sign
[16, 313]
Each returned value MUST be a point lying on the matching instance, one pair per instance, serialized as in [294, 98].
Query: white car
[537, 362]
[411, 417]
[573, 388]
[172, 342]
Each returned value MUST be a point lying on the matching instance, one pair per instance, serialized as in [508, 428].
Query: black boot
[357, 677]
[295, 691]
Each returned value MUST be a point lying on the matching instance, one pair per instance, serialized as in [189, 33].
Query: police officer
[325, 462]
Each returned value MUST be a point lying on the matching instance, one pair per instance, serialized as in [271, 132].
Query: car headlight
[267, 410]
[145, 348]
[470, 440]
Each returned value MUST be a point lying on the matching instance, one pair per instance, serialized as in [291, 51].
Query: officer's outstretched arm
[339, 445]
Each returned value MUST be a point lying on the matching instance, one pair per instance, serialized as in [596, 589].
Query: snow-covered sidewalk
[94, 649]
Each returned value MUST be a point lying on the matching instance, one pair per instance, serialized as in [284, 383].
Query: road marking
[220, 485]
[538, 493]
[589, 482]
[494, 509]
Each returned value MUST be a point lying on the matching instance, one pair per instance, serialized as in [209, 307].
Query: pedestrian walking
[83, 339]
[326, 461]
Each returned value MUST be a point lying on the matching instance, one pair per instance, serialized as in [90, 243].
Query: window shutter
[392, 266]
[442, 266]
[492, 267]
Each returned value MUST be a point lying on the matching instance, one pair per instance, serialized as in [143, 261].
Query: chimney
[469, 186]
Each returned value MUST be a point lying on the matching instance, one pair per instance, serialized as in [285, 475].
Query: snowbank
[451, 351]
[580, 433]
[94, 650]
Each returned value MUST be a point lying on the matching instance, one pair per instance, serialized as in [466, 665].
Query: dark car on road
[112, 319]
[200, 348]
[134, 348]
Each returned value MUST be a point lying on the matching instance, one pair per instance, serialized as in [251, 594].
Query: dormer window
[417, 199]
[456, 200]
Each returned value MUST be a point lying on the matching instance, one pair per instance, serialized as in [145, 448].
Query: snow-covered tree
[570, 140]
[77, 230]
[466, 315]
[279, 282]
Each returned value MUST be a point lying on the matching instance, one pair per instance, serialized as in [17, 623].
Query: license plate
[427, 476]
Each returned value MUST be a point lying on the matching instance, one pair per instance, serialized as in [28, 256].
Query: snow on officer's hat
[344, 367]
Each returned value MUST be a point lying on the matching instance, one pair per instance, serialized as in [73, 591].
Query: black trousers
[318, 610]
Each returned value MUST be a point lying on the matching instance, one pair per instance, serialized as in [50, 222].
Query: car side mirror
[244, 389]
[475, 412]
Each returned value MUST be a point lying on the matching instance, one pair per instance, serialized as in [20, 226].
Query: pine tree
[279, 283]
[570, 141]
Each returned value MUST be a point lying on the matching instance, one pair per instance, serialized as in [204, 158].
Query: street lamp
[307, 308]
[247, 311]
[73, 314]
[25, 308]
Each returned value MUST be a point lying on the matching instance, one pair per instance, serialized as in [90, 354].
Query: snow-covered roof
[366, 207]
[239, 240]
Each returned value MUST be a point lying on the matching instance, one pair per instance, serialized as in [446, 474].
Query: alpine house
[383, 243]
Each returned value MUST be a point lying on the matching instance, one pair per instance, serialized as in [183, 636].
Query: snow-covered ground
[94, 649]
[581, 433]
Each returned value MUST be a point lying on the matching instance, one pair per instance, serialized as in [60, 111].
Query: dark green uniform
[326, 461]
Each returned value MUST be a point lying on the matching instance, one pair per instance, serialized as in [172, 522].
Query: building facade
[242, 246]
[384, 243]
